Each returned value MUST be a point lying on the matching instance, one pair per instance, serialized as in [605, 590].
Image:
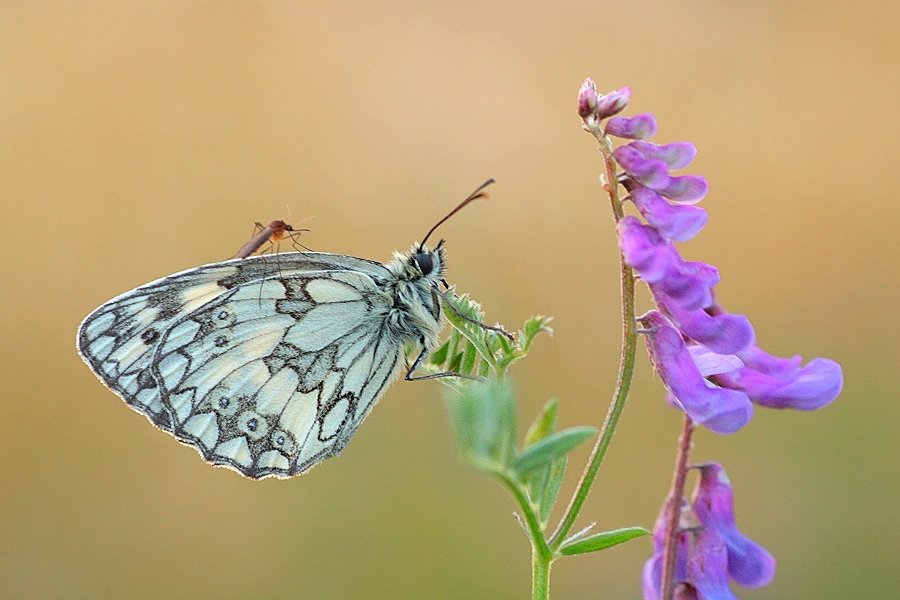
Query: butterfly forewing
[265, 370]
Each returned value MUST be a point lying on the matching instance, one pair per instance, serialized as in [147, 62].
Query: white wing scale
[266, 365]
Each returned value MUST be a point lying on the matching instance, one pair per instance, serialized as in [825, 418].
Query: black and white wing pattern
[266, 365]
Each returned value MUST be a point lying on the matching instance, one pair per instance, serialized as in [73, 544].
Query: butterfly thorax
[416, 312]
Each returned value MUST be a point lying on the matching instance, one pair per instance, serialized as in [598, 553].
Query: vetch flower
[719, 331]
[685, 189]
[749, 564]
[597, 106]
[782, 383]
[587, 98]
[613, 103]
[672, 221]
[658, 263]
[677, 155]
[647, 171]
[708, 567]
[720, 410]
[638, 127]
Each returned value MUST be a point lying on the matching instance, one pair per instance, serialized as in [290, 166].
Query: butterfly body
[266, 364]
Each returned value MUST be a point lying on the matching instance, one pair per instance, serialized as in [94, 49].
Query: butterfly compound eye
[425, 262]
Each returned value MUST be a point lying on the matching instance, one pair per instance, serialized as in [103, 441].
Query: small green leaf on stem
[544, 424]
[601, 541]
[551, 448]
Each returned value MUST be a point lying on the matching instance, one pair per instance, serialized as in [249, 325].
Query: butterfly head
[421, 263]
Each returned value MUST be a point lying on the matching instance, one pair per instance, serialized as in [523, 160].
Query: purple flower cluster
[715, 551]
[705, 356]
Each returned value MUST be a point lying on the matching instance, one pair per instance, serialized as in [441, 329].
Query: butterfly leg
[496, 329]
[418, 363]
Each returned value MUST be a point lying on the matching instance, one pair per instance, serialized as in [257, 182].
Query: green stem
[541, 555]
[626, 361]
[540, 576]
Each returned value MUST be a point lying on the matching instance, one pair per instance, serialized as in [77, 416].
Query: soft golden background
[137, 140]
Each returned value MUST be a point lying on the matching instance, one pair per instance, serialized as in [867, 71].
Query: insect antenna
[478, 193]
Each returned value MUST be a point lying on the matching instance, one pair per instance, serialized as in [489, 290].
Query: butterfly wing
[266, 365]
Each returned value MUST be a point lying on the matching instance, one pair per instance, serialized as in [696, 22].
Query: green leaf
[601, 541]
[439, 356]
[532, 328]
[469, 357]
[550, 491]
[544, 424]
[453, 365]
[550, 448]
[483, 415]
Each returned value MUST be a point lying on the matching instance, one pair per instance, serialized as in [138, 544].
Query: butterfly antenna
[478, 193]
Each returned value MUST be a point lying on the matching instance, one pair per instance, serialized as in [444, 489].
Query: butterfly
[268, 364]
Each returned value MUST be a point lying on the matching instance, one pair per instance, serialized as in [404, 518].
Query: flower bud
[613, 103]
[587, 98]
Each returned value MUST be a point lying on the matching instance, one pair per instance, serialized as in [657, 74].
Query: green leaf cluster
[484, 416]
[475, 350]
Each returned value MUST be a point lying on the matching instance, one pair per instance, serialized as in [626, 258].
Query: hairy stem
[541, 555]
[540, 576]
[626, 361]
[673, 509]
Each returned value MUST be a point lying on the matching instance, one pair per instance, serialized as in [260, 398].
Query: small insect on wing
[272, 233]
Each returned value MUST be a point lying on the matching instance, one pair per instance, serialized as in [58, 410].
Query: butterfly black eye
[425, 262]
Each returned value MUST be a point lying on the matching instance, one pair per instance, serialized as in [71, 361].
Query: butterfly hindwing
[266, 365]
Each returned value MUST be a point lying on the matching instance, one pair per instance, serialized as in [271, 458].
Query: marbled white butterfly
[268, 364]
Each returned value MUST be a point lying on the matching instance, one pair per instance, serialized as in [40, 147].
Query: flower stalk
[674, 506]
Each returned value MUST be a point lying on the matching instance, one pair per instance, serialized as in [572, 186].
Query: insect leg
[499, 330]
[418, 363]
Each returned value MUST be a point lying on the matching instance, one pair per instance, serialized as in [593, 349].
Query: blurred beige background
[137, 140]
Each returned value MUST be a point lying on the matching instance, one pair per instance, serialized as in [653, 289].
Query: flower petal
[672, 221]
[685, 189]
[749, 564]
[722, 333]
[637, 127]
[677, 155]
[613, 103]
[719, 410]
[651, 173]
[708, 567]
[782, 383]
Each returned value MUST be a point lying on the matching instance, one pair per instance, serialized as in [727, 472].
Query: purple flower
[685, 189]
[708, 567]
[587, 98]
[749, 564]
[677, 155]
[782, 383]
[613, 103]
[658, 263]
[597, 106]
[720, 410]
[647, 171]
[672, 221]
[645, 250]
[717, 551]
[637, 127]
[719, 331]
[689, 285]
